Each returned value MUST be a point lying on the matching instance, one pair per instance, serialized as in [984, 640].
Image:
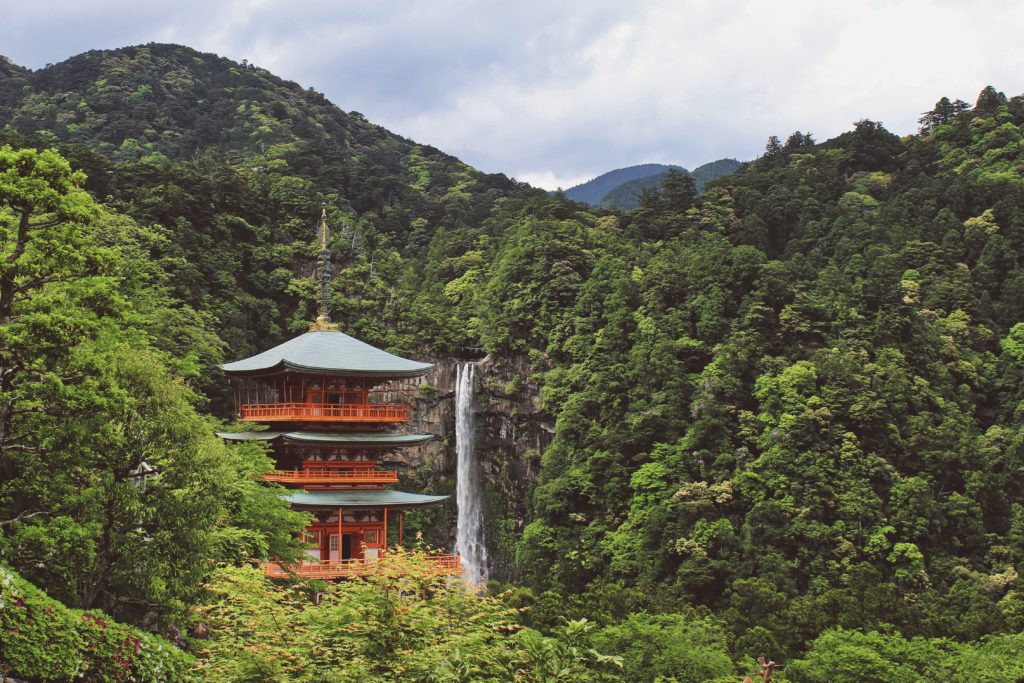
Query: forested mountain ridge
[232, 162]
[160, 100]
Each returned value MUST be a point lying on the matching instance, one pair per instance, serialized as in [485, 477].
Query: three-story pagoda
[331, 403]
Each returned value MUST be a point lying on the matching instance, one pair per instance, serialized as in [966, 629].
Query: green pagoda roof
[249, 436]
[360, 499]
[329, 352]
[382, 439]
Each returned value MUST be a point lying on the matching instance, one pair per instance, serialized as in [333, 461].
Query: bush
[667, 646]
[41, 639]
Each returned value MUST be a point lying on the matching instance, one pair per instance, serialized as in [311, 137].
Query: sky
[557, 92]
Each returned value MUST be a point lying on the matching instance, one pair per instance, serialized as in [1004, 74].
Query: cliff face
[511, 433]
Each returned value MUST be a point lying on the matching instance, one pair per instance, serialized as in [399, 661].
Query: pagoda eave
[286, 367]
[359, 499]
[364, 439]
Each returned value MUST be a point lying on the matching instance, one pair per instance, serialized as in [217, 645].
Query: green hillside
[41, 639]
[233, 163]
[796, 400]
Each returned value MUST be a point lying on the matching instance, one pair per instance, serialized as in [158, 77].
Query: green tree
[115, 493]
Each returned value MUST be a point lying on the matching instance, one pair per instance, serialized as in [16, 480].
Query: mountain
[620, 189]
[714, 170]
[627, 195]
[233, 163]
[798, 395]
[160, 103]
[593, 191]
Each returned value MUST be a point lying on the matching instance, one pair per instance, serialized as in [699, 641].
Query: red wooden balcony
[339, 569]
[326, 474]
[325, 412]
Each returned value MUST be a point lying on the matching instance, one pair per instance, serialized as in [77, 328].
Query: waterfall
[469, 536]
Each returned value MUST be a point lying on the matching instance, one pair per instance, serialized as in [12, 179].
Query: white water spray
[469, 536]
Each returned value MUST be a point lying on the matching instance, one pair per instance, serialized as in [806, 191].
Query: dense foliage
[841, 656]
[796, 401]
[401, 623]
[114, 493]
[41, 639]
[787, 412]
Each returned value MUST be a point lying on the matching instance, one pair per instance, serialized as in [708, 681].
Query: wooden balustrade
[337, 569]
[333, 475]
[325, 412]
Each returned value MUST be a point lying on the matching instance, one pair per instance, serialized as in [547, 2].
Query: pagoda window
[313, 541]
[355, 516]
[364, 516]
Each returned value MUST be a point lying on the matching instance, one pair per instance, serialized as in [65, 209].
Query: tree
[678, 192]
[400, 623]
[940, 113]
[944, 111]
[114, 493]
[799, 140]
[989, 99]
[679, 647]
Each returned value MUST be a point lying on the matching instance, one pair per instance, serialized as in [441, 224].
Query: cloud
[554, 93]
[689, 83]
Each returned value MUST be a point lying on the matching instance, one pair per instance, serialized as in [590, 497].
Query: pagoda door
[346, 547]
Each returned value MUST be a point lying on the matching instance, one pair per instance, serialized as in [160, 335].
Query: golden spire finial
[323, 321]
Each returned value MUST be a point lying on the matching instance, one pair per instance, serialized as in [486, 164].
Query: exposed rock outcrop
[512, 433]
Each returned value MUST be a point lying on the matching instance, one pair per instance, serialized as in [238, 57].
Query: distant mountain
[627, 195]
[705, 173]
[593, 191]
[621, 188]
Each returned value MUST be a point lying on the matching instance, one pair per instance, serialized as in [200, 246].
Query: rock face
[512, 432]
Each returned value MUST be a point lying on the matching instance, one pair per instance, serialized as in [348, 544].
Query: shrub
[41, 639]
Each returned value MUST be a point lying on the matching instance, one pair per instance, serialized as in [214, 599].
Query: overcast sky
[555, 93]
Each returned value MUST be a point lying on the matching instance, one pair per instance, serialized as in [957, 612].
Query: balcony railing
[333, 475]
[338, 569]
[325, 412]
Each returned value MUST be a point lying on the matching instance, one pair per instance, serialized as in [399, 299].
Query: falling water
[469, 536]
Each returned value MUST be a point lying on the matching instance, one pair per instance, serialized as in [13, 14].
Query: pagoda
[331, 404]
